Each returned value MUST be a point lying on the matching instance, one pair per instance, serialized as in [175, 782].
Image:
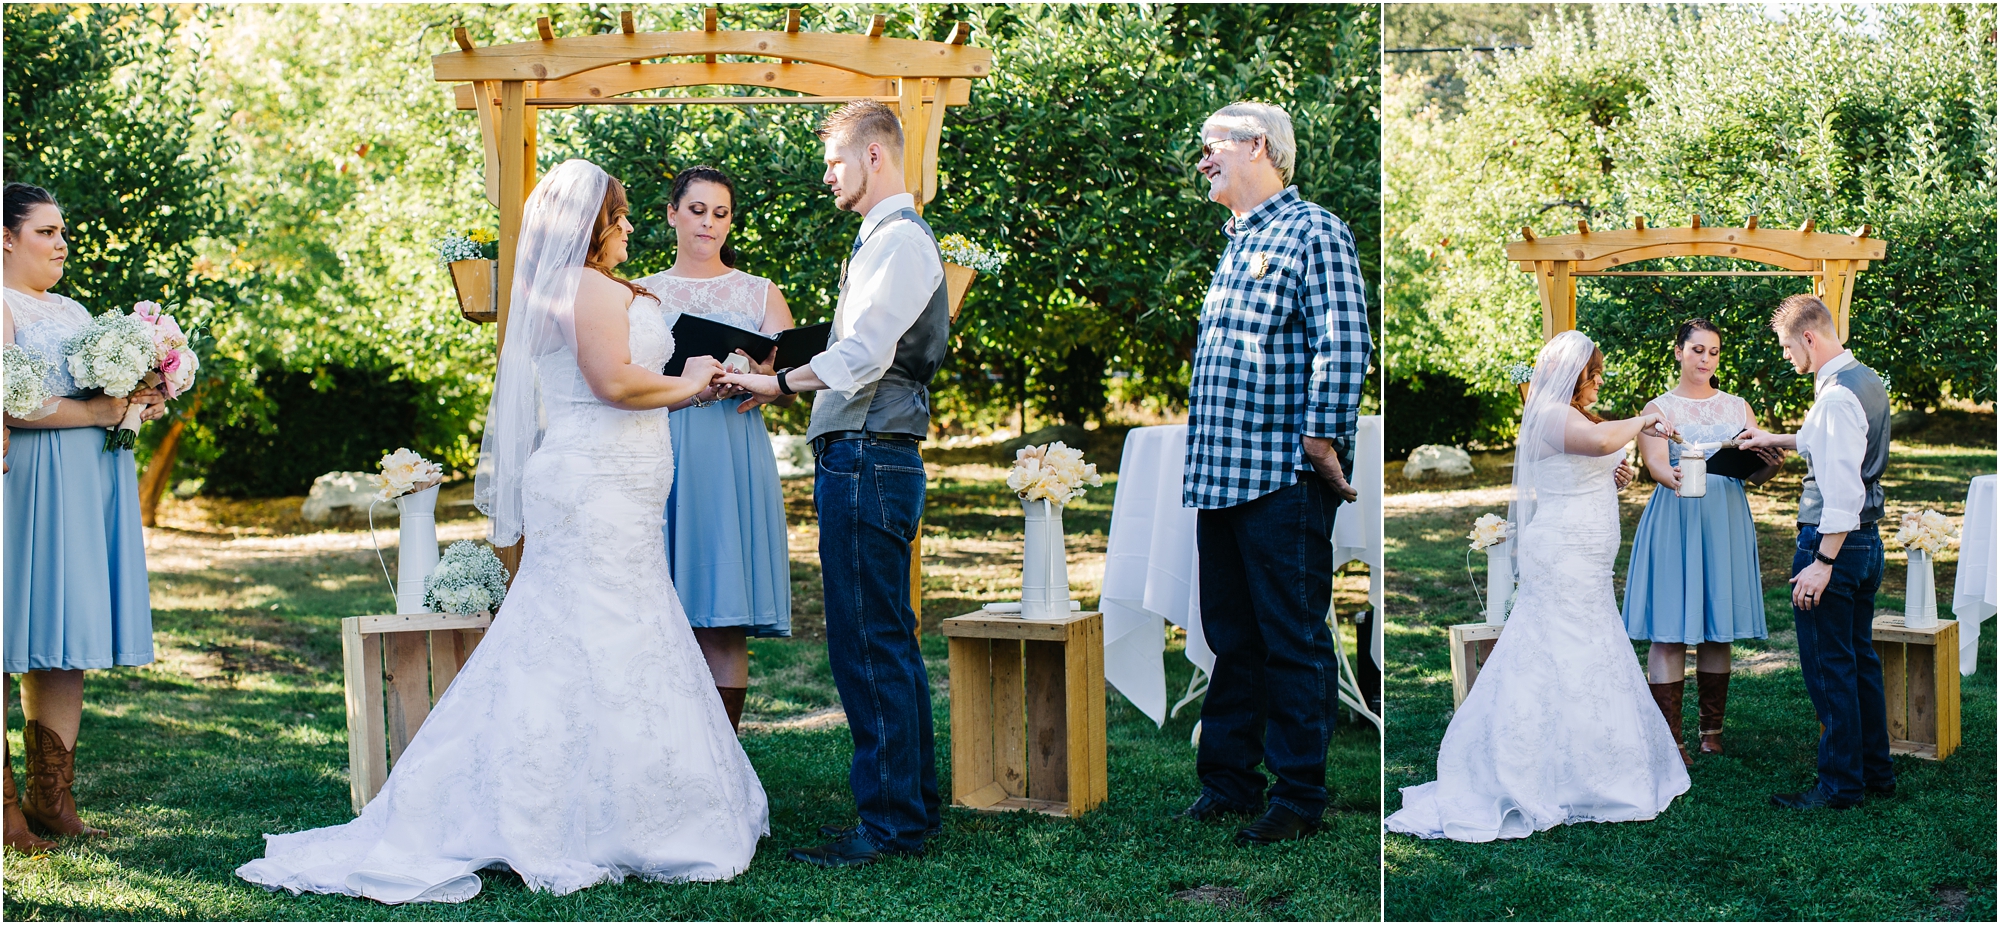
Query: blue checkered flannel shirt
[1281, 352]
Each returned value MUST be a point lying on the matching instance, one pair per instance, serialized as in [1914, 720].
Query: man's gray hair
[1247, 120]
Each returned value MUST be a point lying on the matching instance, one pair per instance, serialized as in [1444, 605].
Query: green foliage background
[1844, 115]
[305, 162]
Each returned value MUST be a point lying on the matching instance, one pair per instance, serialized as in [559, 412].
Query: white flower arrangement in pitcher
[1489, 530]
[405, 472]
[1051, 472]
[1929, 532]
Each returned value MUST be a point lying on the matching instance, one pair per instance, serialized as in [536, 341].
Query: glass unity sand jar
[1694, 472]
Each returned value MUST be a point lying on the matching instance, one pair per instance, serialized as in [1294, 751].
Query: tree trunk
[160, 470]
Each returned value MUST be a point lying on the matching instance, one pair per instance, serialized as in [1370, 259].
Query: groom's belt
[821, 442]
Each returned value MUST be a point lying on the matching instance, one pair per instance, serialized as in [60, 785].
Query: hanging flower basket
[957, 282]
[478, 285]
[963, 260]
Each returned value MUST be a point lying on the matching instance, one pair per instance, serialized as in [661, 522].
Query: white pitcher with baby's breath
[1924, 535]
[1046, 478]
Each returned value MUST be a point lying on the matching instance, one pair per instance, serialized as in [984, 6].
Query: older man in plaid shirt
[1282, 349]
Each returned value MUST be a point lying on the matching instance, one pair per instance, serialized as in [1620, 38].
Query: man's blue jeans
[1842, 674]
[1266, 584]
[870, 496]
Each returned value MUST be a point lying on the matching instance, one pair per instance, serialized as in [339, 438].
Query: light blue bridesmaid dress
[725, 521]
[1693, 575]
[75, 594]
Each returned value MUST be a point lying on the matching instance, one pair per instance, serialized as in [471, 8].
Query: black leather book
[695, 335]
[1731, 462]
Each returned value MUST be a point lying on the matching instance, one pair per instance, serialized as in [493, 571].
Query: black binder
[695, 335]
[1731, 462]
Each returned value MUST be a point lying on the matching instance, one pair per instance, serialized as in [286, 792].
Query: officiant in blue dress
[725, 522]
[1693, 576]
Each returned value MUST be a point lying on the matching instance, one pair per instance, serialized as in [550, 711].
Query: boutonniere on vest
[1260, 265]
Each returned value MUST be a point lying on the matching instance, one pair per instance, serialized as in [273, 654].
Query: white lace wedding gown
[1559, 727]
[583, 741]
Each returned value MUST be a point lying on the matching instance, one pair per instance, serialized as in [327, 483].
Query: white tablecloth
[1150, 567]
[1975, 593]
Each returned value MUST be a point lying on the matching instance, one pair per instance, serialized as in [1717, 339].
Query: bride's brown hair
[1595, 367]
[615, 207]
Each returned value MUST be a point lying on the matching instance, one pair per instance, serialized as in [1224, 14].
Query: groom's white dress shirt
[890, 281]
[1834, 440]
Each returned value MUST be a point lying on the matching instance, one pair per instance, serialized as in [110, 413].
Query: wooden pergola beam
[1830, 260]
[603, 84]
[571, 55]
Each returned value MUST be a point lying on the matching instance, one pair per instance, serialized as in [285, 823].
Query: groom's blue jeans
[870, 496]
[1266, 583]
[1842, 674]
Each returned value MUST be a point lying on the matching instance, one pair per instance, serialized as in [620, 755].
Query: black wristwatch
[1822, 557]
[782, 387]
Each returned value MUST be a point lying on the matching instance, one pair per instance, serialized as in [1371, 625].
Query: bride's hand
[704, 369]
[1624, 474]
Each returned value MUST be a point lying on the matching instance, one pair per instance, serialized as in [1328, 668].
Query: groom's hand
[762, 389]
[1810, 584]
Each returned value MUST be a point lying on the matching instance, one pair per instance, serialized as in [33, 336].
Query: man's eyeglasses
[1208, 147]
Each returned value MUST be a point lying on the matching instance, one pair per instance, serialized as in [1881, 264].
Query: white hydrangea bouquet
[405, 472]
[961, 250]
[121, 353]
[1051, 472]
[27, 382]
[1929, 532]
[469, 579]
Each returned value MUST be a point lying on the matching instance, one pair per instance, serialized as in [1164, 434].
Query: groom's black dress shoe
[1276, 825]
[837, 832]
[852, 850]
[1811, 799]
[1209, 808]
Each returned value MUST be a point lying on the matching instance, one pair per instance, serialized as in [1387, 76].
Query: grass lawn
[239, 729]
[1720, 852]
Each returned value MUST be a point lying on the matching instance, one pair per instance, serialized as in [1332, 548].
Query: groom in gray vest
[890, 332]
[1837, 565]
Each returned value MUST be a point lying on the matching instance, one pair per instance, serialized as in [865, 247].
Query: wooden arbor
[1831, 260]
[507, 84]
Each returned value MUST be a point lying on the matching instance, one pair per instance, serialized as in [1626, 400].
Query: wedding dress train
[584, 740]
[1559, 727]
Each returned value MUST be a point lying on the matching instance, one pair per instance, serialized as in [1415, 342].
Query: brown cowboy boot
[1712, 693]
[19, 837]
[732, 703]
[51, 772]
[1669, 697]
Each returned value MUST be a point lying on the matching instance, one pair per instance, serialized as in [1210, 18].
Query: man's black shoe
[1276, 825]
[1811, 799]
[837, 832]
[1208, 808]
[1881, 790]
[854, 850]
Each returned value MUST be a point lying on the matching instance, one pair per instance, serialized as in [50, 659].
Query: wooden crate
[396, 667]
[1471, 643]
[1027, 713]
[1920, 685]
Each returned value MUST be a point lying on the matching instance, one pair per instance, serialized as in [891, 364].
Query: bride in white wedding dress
[584, 740]
[1560, 727]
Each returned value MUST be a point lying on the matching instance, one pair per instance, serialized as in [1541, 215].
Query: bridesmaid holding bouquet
[75, 591]
[1693, 576]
